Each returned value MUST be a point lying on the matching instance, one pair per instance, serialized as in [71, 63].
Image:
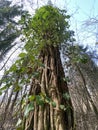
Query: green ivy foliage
[49, 26]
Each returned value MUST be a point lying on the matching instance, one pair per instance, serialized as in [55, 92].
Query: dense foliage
[48, 28]
[49, 25]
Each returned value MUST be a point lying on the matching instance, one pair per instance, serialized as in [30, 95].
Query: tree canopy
[48, 26]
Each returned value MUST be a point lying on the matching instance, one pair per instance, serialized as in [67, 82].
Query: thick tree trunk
[84, 93]
[51, 83]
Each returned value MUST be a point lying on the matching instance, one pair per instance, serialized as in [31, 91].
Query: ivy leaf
[66, 96]
[39, 100]
[22, 55]
[19, 122]
[35, 74]
[67, 16]
[0, 93]
[3, 88]
[53, 104]
[42, 65]
[84, 60]
[32, 97]
[19, 128]
[29, 108]
[17, 88]
[47, 99]
[13, 68]
[62, 107]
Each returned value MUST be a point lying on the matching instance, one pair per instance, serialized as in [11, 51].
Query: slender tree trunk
[48, 117]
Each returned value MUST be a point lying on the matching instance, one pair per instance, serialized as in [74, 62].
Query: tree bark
[51, 83]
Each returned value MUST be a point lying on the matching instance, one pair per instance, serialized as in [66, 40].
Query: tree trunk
[84, 94]
[52, 84]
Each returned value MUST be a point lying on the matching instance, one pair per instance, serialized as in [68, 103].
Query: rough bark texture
[51, 83]
[83, 90]
[84, 94]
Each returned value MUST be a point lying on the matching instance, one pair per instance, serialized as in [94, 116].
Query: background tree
[8, 25]
[82, 75]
